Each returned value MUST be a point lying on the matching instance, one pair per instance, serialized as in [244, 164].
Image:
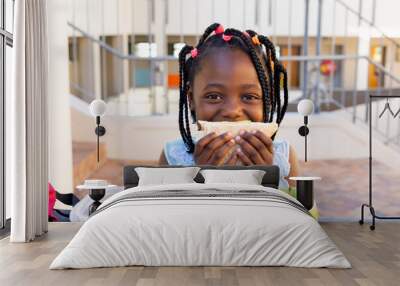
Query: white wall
[132, 15]
[8, 80]
[387, 16]
[60, 144]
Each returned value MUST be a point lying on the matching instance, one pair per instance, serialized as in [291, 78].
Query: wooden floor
[374, 255]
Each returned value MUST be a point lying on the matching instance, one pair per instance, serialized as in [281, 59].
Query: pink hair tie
[226, 37]
[194, 53]
[246, 34]
[219, 29]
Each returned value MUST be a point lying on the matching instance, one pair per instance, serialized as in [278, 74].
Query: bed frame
[270, 179]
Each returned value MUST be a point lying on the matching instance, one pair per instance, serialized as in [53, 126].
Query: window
[81, 68]
[397, 58]
[177, 48]
[111, 68]
[140, 74]
[175, 44]
[278, 51]
[6, 43]
[146, 50]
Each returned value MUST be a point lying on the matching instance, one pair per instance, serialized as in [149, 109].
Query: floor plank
[375, 257]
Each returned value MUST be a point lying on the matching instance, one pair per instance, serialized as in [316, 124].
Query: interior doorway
[375, 77]
[293, 67]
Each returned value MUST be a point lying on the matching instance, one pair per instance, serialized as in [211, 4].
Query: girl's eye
[250, 97]
[213, 96]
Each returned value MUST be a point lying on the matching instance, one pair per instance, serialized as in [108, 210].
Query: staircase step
[112, 170]
[85, 159]
[81, 150]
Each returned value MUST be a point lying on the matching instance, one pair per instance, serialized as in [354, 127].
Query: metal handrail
[123, 56]
[117, 52]
[88, 96]
[348, 8]
[340, 58]
[300, 58]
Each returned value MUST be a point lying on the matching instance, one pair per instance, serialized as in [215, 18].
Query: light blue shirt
[176, 154]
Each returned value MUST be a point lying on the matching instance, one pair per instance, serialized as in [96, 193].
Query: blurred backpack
[67, 199]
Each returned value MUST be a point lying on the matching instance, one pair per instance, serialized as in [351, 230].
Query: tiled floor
[344, 187]
[340, 193]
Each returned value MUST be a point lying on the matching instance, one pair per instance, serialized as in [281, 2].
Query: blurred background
[125, 53]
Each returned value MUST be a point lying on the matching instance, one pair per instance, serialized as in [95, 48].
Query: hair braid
[207, 33]
[267, 61]
[259, 69]
[182, 94]
[271, 48]
[189, 143]
[285, 93]
[277, 90]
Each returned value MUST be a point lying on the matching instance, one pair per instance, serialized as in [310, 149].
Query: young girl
[231, 76]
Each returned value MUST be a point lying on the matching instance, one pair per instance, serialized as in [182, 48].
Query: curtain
[28, 157]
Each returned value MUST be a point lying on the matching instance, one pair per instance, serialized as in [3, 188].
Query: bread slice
[206, 127]
[235, 127]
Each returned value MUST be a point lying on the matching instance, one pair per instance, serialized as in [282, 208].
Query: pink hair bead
[219, 30]
[226, 37]
[194, 53]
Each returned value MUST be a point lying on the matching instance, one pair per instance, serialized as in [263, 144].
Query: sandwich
[207, 127]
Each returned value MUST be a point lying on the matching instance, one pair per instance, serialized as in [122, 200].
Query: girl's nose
[232, 111]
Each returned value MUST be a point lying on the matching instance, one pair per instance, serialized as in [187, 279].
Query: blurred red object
[52, 202]
[173, 80]
[327, 67]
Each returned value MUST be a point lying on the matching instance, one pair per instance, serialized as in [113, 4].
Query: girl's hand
[255, 148]
[213, 149]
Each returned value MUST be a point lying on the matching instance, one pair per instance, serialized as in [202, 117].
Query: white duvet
[188, 231]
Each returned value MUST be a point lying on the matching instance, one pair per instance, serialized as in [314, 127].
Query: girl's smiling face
[226, 88]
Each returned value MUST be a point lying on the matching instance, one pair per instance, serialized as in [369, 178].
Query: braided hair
[261, 51]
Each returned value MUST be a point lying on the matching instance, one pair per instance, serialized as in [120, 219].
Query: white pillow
[249, 177]
[165, 176]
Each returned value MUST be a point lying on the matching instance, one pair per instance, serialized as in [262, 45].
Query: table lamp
[97, 109]
[305, 107]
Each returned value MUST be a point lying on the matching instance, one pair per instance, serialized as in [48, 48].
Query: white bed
[224, 225]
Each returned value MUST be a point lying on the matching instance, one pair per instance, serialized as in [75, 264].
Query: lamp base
[305, 190]
[304, 131]
[96, 195]
[100, 130]
[305, 193]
